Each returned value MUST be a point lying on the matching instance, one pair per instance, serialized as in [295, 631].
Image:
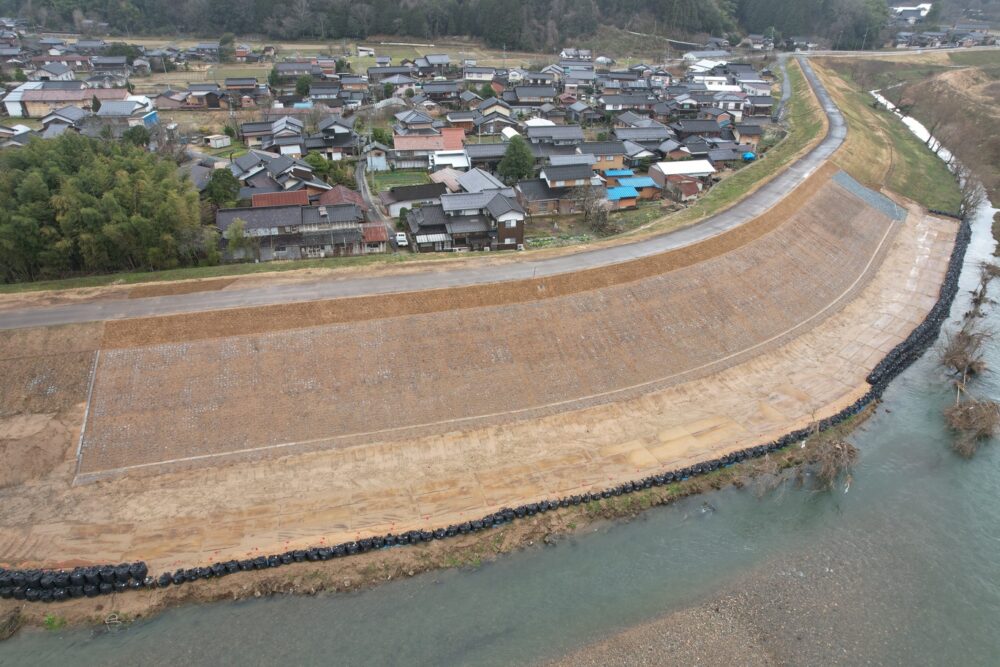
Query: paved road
[755, 204]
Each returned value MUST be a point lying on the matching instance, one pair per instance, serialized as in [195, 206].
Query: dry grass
[833, 460]
[974, 422]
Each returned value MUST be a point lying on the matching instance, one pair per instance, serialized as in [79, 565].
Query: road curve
[752, 206]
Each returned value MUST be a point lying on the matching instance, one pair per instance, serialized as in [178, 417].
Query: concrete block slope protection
[752, 206]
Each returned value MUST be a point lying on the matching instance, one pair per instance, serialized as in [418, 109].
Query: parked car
[401, 240]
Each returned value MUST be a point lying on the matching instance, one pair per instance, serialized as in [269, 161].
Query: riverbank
[367, 570]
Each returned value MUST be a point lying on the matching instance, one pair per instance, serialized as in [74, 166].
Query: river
[904, 568]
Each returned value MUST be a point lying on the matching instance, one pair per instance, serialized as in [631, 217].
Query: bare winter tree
[592, 203]
[974, 421]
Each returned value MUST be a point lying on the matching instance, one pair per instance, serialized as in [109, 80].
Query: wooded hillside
[538, 25]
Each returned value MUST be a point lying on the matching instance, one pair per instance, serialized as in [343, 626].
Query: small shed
[218, 140]
[623, 197]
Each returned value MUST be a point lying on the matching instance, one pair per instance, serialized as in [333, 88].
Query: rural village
[366, 151]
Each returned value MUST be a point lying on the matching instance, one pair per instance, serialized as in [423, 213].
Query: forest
[534, 25]
[75, 205]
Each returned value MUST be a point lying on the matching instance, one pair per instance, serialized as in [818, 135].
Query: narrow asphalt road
[755, 204]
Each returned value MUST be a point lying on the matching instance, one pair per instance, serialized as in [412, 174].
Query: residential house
[259, 171]
[416, 136]
[748, 134]
[621, 198]
[691, 168]
[556, 135]
[340, 194]
[59, 120]
[582, 113]
[295, 232]
[400, 83]
[52, 72]
[441, 92]
[478, 75]
[486, 220]
[700, 128]
[255, 134]
[282, 198]
[74, 61]
[36, 99]
[682, 188]
[241, 85]
[207, 50]
[645, 186]
[567, 176]
[242, 53]
[435, 64]
[607, 154]
[113, 66]
[411, 196]
[117, 116]
[378, 74]
[530, 95]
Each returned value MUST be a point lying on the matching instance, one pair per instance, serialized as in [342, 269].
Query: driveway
[749, 208]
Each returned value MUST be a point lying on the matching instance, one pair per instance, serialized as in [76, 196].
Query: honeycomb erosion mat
[47, 586]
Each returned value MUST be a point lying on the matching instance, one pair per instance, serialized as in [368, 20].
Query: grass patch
[383, 180]
[53, 622]
[975, 58]
[880, 151]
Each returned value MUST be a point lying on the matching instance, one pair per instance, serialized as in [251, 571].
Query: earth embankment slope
[375, 375]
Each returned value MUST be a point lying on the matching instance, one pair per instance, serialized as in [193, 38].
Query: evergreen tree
[303, 84]
[75, 205]
[223, 188]
[518, 163]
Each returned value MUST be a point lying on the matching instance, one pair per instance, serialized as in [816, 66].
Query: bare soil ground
[229, 510]
[419, 363]
[46, 374]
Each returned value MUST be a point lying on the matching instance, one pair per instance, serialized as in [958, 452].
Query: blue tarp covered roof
[615, 194]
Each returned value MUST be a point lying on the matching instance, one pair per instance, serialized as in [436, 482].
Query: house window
[509, 241]
[511, 224]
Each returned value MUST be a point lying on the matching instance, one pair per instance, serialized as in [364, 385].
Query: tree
[223, 188]
[75, 205]
[592, 202]
[486, 91]
[137, 135]
[409, 93]
[273, 78]
[20, 76]
[518, 162]
[95, 103]
[382, 136]
[303, 84]
[319, 164]
[240, 244]
[387, 89]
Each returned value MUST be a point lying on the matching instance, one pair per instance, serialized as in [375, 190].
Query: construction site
[295, 423]
[202, 435]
